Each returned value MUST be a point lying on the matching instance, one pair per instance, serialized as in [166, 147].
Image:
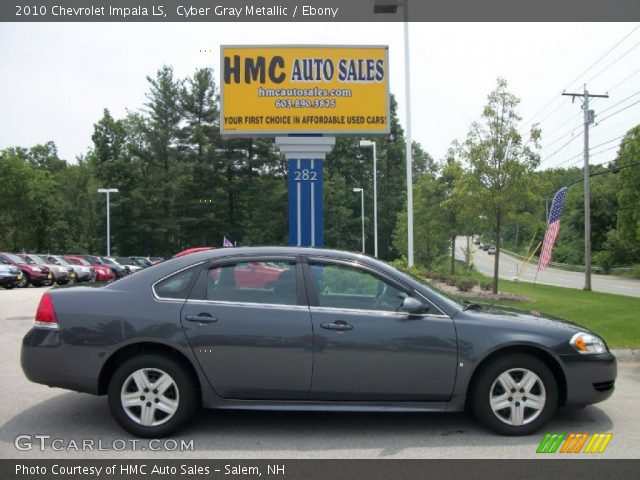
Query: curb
[627, 355]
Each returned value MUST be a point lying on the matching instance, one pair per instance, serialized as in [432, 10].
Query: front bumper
[590, 378]
[9, 280]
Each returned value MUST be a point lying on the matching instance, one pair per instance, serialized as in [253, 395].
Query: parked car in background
[141, 261]
[102, 273]
[336, 331]
[36, 275]
[491, 250]
[155, 260]
[484, 246]
[10, 275]
[83, 273]
[113, 263]
[191, 250]
[118, 270]
[61, 274]
[126, 261]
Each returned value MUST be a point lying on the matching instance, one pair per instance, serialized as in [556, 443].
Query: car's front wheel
[515, 394]
[152, 395]
[24, 283]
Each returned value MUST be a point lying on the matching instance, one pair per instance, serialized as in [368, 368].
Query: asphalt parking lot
[31, 411]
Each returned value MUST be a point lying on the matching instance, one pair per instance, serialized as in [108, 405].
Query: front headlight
[587, 343]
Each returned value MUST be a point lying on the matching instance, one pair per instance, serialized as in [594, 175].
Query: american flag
[553, 226]
[226, 242]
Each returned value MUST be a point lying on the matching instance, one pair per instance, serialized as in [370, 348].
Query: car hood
[523, 318]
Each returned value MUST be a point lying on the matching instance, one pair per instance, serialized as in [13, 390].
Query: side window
[253, 282]
[176, 286]
[346, 287]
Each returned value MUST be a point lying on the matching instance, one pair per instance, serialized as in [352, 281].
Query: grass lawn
[615, 317]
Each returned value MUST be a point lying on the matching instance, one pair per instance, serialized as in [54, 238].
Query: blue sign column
[305, 203]
[305, 157]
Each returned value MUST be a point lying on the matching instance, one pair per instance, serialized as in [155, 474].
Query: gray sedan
[291, 329]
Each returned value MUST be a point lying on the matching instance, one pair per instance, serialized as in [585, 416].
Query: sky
[58, 77]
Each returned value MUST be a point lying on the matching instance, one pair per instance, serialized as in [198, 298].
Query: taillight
[46, 314]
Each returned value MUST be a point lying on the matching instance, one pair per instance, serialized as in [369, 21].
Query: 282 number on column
[305, 175]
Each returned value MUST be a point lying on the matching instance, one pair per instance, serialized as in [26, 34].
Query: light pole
[108, 191]
[361, 190]
[369, 143]
[391, 6]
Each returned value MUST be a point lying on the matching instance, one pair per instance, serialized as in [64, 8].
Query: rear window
[177, 285]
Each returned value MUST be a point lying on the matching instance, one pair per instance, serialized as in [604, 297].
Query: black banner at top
[318, 10]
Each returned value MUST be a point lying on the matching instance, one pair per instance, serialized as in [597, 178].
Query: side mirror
[413, 306]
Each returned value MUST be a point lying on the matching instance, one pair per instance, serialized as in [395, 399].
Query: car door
[253, 341]
[365, 349]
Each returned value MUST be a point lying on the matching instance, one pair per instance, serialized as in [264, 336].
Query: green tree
[500, 164]
[628, 217]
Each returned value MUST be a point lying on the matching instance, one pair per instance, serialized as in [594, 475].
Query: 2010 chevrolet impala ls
[329, 330]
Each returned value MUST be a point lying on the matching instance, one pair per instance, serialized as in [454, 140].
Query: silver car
[82, 273]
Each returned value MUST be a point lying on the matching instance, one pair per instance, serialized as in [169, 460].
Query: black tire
[26, 280]
[183, 392]
[489, 385]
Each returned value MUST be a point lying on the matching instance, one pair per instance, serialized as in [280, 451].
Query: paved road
[511, 267]
[30, 409]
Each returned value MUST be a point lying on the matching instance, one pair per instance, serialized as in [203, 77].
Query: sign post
[304, 96]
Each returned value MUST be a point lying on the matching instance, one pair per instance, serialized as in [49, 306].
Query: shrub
[604, 260]
[465, 284]
[486, 286]
[450, 280]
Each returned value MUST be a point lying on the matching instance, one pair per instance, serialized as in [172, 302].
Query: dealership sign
[280, 90]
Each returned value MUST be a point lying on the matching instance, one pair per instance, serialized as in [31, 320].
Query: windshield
[40, 260]
[78, 261]
[106, 260]
[15, 258]
[59, 260]
[143, 262]
[125, 261]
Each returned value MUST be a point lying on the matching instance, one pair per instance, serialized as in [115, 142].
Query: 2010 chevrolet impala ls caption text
[285, 328]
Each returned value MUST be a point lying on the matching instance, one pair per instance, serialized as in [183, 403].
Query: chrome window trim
[249, 304]
[171, 299]
[361, 311]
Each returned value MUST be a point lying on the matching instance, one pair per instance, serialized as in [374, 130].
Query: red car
[103, 274]
[256, 274]
[191, 250]
[37, 275]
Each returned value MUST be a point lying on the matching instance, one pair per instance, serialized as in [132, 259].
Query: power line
[618, 111]
[621, 101]
[623, 80]
[561, 148]
[592, 153]
[557, 139]
[555, 97]
[603, 56]
[614, 62]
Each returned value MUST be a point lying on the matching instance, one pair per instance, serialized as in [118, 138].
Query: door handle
[202, 318]
[337, 325]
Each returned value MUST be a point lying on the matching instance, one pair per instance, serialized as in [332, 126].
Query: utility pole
[588, 119]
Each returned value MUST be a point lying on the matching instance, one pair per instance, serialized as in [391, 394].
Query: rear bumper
[590, 378]
[47, 360]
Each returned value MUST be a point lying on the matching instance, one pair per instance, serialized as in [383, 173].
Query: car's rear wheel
[515, 394]
[152, 395]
